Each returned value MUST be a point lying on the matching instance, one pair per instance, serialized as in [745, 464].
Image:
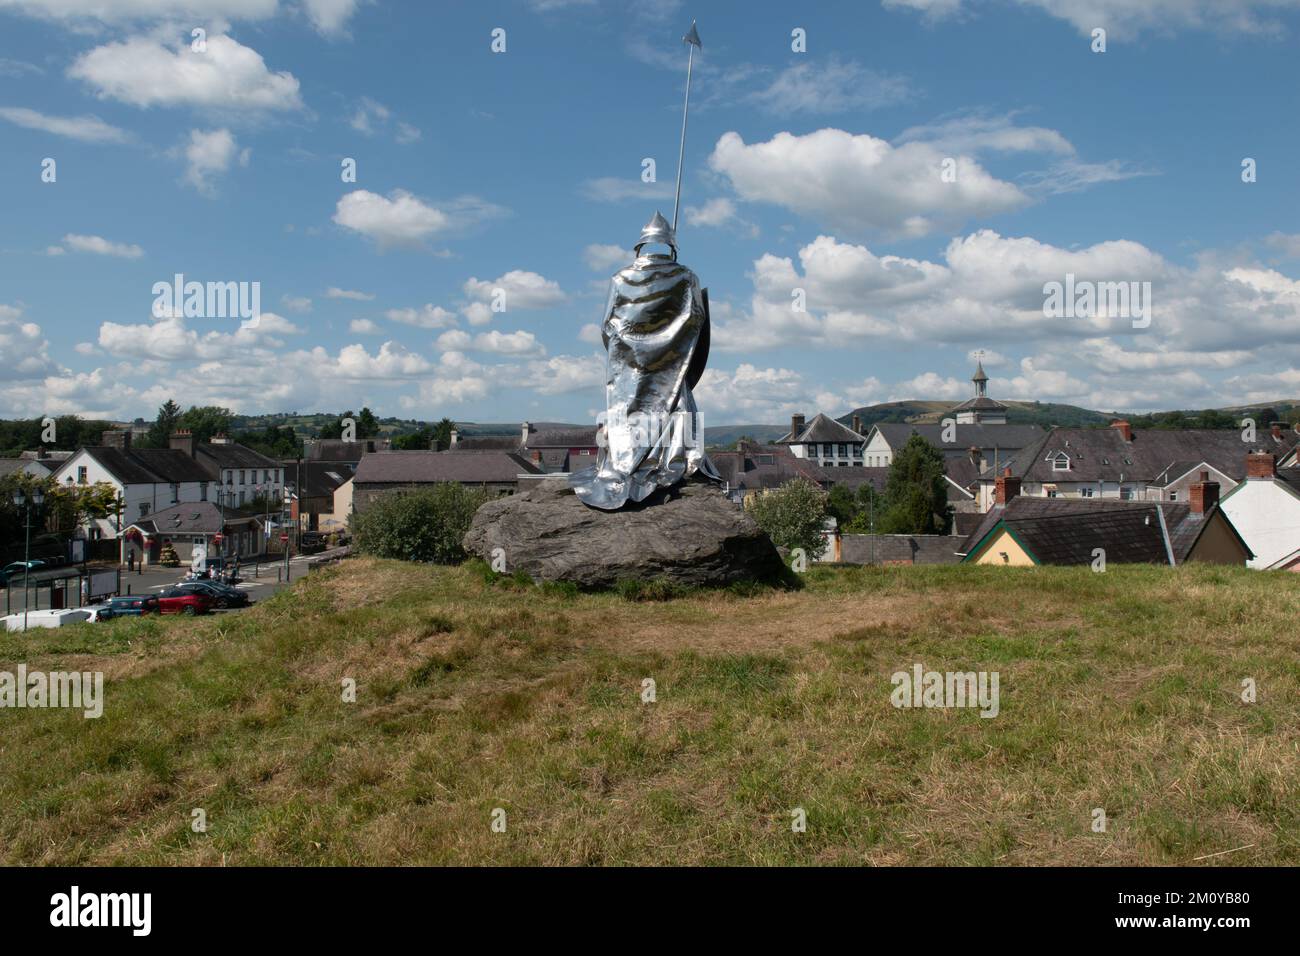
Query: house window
[844, 451]
[1085, 492]
[1126, 494]
[1173, 496]
[1060, 462]
[176, 492]
[203, 491]
[81, 475]
[144, 508]
[241, 477]
[1052, 493]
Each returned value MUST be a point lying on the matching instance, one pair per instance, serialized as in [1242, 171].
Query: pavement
[261, 580]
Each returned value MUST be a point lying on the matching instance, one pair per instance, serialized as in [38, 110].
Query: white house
[824, 441]
[1265, 508]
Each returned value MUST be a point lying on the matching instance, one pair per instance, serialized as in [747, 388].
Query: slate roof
[197, 517]
[487, 443]
[754, 467]
[1067, 530]
[855, 476]
[171, 464]
[9, 465]
[130, 467]
[320, 479]
[916, 548]
[1004, 438]
[421, 467]
[821, 429]
[980, 403]
[234, 455]
[1102, 454]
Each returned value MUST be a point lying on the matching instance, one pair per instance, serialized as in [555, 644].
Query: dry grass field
[1118, 690]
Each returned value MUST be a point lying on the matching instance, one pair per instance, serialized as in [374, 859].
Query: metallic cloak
[656, 334]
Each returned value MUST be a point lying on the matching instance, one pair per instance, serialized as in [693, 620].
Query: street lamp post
[22, 502]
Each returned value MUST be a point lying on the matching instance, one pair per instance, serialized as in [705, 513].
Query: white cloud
[429, 316]
[521, 289]
[603, 258]
[171, 340]
[406, 133]
[861, 183]
[508, 343]
[590, 333]
[1127, 18]
[55, 250]
[364, 327]
[829, 85]
[454, 340]
[719, 212]
[87, 129]
[401, 219]
[335, 293]
[298, 304]
[369, 114]
[752, 394]
[209, 154]
[563, 374]
[228, 76]
[122, 11]
[98, 245]
[24, 347]
[330, 17]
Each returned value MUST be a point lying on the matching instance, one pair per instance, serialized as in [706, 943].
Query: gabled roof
[197, 517]
[1005, 438]
[754, 467]
[126, 467]
[171, 464]
[1068, 530]
[980, 403]
[422, 467]
[1102, 454]
[821, 429]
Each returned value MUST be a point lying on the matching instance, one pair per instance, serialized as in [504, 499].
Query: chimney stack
[1204, 494]
[117, 438]
[1005, 487]
[857, 424]
[796, 426]
[182, 440]
[1276, 429]
[1261, 464]
[527, 430]
[455, 437]
[1124, 428]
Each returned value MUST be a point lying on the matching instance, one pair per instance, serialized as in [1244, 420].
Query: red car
[176, 601]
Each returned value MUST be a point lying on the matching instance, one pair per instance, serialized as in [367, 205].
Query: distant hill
[1018, 413]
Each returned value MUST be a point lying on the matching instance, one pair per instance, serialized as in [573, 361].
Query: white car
[58, 618]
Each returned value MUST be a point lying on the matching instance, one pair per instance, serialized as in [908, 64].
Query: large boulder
[690, 534]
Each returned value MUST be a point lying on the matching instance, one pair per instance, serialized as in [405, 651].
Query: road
[261, 581]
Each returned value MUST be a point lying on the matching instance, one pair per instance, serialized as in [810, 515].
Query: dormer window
[1060, 461]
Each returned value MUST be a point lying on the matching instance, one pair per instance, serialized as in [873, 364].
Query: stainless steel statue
[656, 334]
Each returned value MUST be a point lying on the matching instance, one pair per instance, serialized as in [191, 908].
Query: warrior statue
[656, 335]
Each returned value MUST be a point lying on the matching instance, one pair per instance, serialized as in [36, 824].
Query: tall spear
[692, 40]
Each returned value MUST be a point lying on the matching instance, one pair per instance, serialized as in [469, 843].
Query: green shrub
[423, 524]
[792, 516]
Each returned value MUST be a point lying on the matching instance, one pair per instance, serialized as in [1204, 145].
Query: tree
[424, 524]
[792, 515]
[367, 424]
[160, 432]
[916, 496]
[206, 421]
[842, 505]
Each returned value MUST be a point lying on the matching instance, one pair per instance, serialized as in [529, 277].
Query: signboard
[76, 550]
[284, 539]
[101, 584]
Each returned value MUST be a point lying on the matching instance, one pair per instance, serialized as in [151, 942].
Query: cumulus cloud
[99, 246]
[87, 129]
[24, 347]
[336, 293]
[860, 183]
[329, 17]
[364, 327]
[428, 316]
[605, 258]
[400, 219]
[613, 189]
[516, 289]
[209, 154]
[170, 339]
[228, 76]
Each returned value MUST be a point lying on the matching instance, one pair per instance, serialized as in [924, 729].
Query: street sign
[284, 539]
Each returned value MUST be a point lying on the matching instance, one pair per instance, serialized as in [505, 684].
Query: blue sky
[521, 171]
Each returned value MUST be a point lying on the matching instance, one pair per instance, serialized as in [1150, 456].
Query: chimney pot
[796, 425]
[1124, 428]
[455, 437]
[1261, 464]
[857, 424]
[1204, 494]
[182, 440]
[1005, 487]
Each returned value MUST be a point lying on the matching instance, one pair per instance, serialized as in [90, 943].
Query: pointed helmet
[657, 230]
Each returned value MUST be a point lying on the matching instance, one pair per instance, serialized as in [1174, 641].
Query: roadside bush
[424, 524]
[792, 516]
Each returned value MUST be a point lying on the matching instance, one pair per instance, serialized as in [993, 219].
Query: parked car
[222, 594]
[177, 601]
[19, 569]
[129, 605]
